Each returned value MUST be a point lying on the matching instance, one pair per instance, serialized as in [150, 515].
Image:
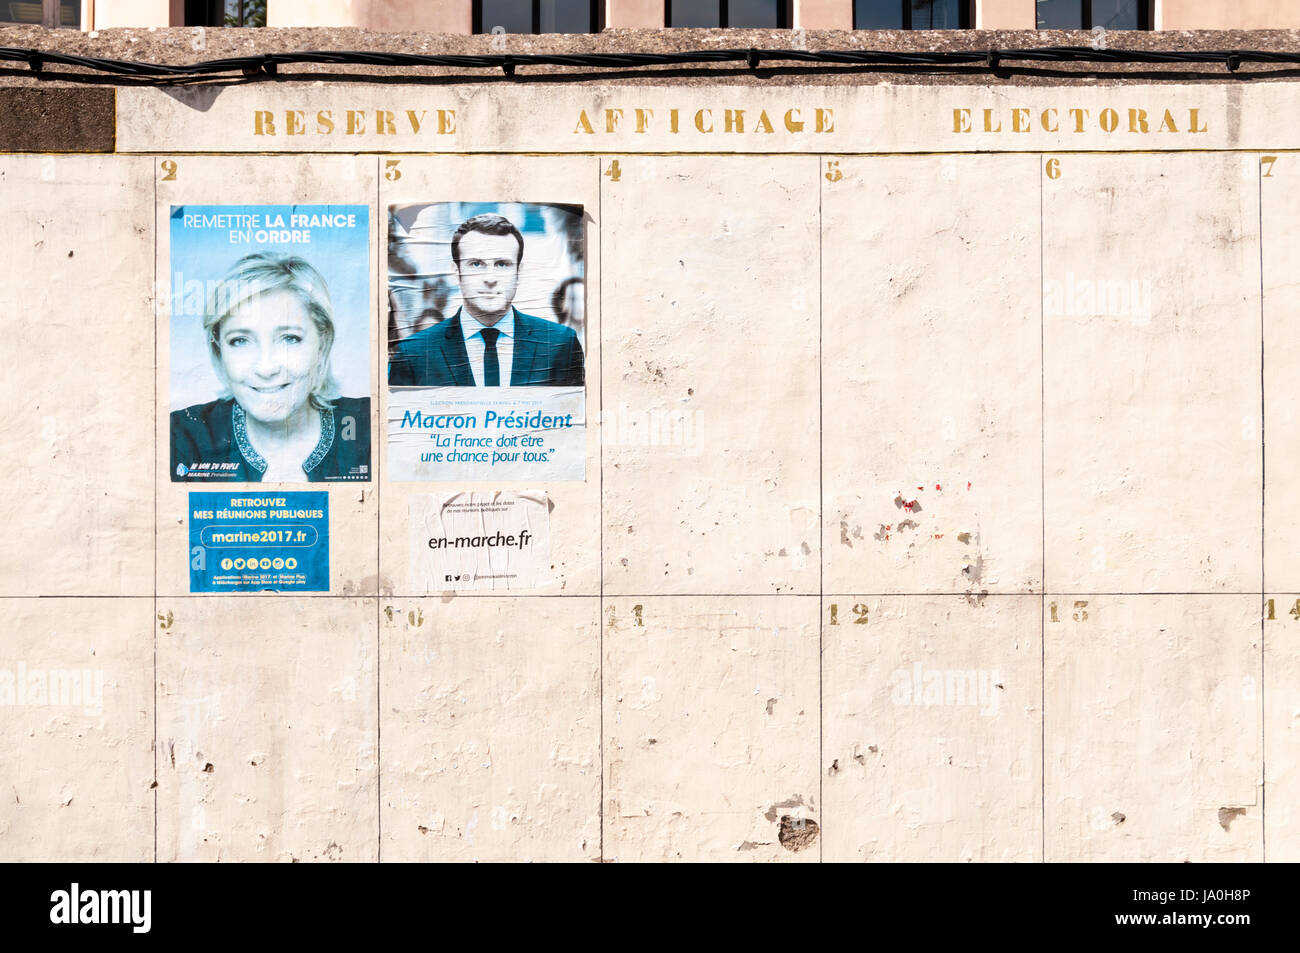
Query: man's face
[489, 274]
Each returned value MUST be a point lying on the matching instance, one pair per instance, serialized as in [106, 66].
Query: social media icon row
[256, 563]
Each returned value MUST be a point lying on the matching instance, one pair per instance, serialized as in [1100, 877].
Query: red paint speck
[968, 484]
[938, 487]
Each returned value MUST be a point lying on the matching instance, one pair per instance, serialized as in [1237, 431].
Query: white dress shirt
[475, 346]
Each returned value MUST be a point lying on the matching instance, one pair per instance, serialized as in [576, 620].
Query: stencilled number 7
[1267, 162]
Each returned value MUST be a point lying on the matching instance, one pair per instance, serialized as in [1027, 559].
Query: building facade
[581, 16]
[888, 438]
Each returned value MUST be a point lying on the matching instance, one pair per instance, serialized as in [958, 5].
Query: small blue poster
[250, 542]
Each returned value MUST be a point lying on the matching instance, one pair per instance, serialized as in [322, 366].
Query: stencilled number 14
[1270, 611]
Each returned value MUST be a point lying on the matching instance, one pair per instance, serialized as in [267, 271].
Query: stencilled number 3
[391, 171]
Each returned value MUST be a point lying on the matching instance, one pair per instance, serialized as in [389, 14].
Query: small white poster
[472, 541]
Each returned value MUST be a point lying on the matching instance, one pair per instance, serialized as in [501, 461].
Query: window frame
[203, 20]
[782, 17]
[1146, 17]
[597, 18]
[965, 16]
[51, 15]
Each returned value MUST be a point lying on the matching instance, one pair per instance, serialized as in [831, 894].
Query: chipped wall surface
[937, 505]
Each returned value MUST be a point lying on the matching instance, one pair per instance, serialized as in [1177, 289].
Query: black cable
[267, 63]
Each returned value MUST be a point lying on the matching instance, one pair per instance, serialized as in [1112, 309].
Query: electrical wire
[267, 64]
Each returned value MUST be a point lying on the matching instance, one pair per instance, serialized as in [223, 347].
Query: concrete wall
[445, 16]
[634, 14]
[1004, 15]
[131, 13]
[1219, 15]
[823, 15]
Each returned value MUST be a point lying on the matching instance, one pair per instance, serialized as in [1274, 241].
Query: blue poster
[270, 343]
[249, 541]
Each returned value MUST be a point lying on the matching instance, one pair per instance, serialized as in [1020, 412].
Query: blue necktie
[491, 367]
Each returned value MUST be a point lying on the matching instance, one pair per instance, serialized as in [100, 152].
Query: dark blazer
[212, 434]
[546, 354]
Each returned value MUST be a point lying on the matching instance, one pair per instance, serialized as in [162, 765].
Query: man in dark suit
[488, 342]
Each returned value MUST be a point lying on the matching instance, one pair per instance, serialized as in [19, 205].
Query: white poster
[472, 541]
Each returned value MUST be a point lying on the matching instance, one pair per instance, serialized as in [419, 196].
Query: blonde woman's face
[270, 351]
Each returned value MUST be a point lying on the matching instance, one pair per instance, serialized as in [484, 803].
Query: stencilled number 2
[169, 170]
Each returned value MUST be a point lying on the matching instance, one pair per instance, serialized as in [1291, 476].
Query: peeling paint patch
[1229, 814]
[771, 813]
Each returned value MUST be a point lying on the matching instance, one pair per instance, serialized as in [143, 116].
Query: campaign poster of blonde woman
[270, 356]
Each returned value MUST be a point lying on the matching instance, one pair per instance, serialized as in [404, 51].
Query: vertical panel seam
[381, 347]
[1042, 503]
[600, 447]
[1263, 503]
[154, 617]
[821, 523]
